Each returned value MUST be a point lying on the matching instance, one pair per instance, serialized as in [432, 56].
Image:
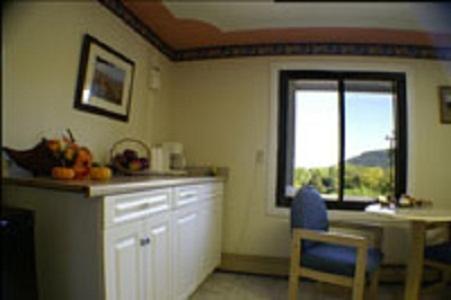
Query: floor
[229, 286]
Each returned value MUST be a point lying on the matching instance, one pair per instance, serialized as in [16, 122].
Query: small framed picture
[445, 104]
[105, 80]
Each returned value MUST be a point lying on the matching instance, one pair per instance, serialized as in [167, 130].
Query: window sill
[350, 205]
[331, 205]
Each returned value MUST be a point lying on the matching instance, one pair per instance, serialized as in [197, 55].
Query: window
[344, 133]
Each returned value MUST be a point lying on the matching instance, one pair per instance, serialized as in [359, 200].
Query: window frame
[285, 129]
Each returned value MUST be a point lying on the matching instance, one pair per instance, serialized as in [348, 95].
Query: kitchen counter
[116, 185]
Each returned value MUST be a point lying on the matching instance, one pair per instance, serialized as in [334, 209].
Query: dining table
[419, 218]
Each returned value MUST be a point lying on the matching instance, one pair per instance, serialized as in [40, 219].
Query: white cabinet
[123, 262]
[169, 251]
[211, 227]
[218, 231]
[197, 231]
[158, 243]
[157, 259]
[138, 247]
[206, 231]
[185, 252]
[137, 260]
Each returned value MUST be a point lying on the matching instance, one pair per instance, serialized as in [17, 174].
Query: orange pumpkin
[63, 173]
[100, 173]
[82, 163]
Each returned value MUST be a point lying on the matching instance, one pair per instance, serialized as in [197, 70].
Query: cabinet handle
[188, 194]
[139, 203]
[145, 241]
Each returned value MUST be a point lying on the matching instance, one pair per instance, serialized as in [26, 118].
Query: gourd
[63, 173]
[100, 173]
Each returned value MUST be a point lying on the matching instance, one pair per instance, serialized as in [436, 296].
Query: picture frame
[105, 80]
[445, 104]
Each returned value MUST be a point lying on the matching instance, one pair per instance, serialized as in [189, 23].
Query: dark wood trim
[88, 40]
[400, 126]
[401, 133]
[2, 171]
[342, 139]
[279, 49]
[306, 49]
[348, 205]
[443, 91]
[282, 140]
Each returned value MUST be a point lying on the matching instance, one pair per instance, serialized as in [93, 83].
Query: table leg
[415, 262]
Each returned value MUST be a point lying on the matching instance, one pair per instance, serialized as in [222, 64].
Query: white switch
[154, 81]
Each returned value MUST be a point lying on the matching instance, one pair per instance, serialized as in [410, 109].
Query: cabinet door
[185, 252]
[206, 231]
[123, 262]
[157, 259]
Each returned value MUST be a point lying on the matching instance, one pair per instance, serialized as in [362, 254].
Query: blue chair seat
[339, 260]
[440, 253]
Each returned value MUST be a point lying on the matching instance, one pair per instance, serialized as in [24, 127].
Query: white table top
[424, 214]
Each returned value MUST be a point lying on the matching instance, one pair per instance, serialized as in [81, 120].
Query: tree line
[358, 180]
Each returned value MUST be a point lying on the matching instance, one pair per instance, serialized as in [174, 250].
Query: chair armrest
[358, 242]
[376, 230]
[445, 226]
[330, 237]
[430, 226]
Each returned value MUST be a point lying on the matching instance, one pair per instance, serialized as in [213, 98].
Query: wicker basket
[128, 143]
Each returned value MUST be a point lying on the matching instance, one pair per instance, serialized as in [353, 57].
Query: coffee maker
[173, 154]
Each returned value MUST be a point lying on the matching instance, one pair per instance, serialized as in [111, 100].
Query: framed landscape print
[445, 104]
[105, 80]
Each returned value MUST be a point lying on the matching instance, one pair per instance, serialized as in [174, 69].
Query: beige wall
[222, 111]
[41, 49]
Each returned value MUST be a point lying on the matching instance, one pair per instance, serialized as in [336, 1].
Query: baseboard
[279, 266]
[252, 264]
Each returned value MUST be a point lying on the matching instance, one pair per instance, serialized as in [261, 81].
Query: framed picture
[445, 104]
[105, 80]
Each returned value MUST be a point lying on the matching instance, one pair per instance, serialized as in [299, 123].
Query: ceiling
[188, 24]
[251, 15]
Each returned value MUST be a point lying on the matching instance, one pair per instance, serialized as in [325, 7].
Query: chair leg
[445, 278]
[374, 285]
[445, 274]
[358, 290]
[296, 252]
[358, 287]
[293, 287]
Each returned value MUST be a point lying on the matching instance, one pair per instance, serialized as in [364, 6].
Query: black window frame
[285, 129]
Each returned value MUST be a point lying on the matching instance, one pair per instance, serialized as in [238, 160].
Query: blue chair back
[308, 211]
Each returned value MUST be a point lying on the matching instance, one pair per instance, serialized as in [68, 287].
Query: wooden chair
[439, 257]
[330, 257]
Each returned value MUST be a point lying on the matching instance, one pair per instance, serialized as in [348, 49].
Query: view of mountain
[377, 158]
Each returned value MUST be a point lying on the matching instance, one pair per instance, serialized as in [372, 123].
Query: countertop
[116, 185]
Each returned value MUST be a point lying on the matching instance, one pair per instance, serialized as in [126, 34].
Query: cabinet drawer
[185, 195]
[129, 207]
[211, 189]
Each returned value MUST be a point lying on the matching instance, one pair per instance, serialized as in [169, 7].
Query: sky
[368, 121]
